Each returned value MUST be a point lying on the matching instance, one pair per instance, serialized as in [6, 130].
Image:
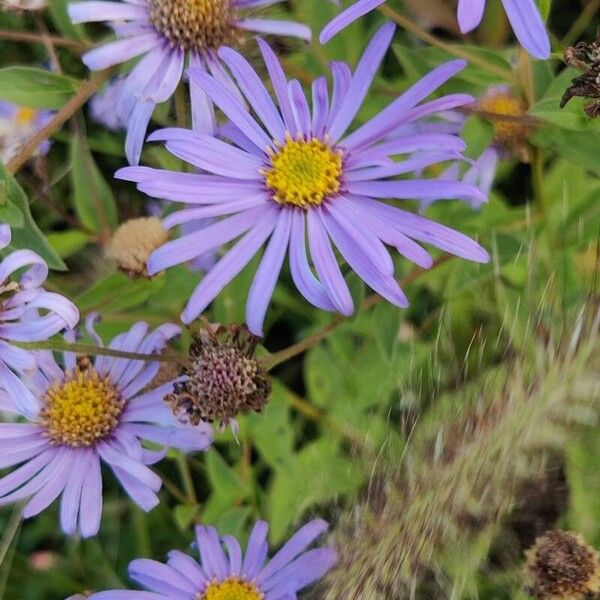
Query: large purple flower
[302, 173]
[28, 313]
[82, 413]
[220, 576]
[167, 32]
[523, 15]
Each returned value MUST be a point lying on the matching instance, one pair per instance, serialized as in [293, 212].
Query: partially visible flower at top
[302, 173]
[167, 33]
[28, 313]
[523, 15]
[233, 575]
[19, 5]
[222, 378]
[103, 105]
[17, 125]
[134, 241]
[85, 412]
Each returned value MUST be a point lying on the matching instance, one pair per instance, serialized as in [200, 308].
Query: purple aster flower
[523, 15]
[167, 33]
[102, 106]
[221, 576]
[303, 177]
[84, 413]
[28, 313]
[17, 125]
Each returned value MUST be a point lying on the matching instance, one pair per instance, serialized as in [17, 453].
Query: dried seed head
[223, 378]
[561, 566]
[134, 241]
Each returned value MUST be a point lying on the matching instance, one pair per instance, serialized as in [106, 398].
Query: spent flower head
[222, 379]
[167, 34]
[81, 413]
[561, 566]
[232, 575]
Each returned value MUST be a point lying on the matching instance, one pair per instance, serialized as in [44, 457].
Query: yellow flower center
[195, 24]
[25, 116]
[81, 410]
[232, 589]
[304, 173]
[505, 103]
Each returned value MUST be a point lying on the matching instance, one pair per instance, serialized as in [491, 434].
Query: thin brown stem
[34, 38]
[86, 90]
[87, 349]
[431, 39]
[271, 361]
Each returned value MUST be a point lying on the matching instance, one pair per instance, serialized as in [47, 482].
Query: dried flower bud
[134, 241]
[561, 566]
[223, 378]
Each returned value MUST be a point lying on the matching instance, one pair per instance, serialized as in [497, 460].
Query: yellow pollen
[81, 410]
[304, 173]
[231, 589]
[199, 25]
[505, 103]
[25, 116]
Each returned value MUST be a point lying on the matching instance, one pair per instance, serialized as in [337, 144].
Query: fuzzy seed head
[199, 25]
[134, 241]
[561, 566]
[223, 378]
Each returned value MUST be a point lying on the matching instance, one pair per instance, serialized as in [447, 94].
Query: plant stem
[186, 478]
[431, 39]
[271, 361]
[86, 90]
[34, 38]
[88, 349]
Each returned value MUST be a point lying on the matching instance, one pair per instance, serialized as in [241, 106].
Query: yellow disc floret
[25, 116]
[231, 589]
[304, 173]
[195, 24]
[82, 409]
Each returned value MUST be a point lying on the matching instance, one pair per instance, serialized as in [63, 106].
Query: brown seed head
[561, 566]
[134, 241]
[223, 378]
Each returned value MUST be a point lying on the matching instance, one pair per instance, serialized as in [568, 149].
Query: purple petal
[356, 11]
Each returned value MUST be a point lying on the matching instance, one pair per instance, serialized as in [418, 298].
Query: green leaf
[36, 88]
[25, 232]
[93, 199]
[68, 242]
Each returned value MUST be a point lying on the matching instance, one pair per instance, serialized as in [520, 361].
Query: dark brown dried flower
[224, 379]
[561, 566]
[585, 57]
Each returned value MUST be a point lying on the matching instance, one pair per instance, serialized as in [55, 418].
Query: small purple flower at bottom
[28, 313]
[295, 176]
[85, 413]
[232, 575]
[17, 125]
